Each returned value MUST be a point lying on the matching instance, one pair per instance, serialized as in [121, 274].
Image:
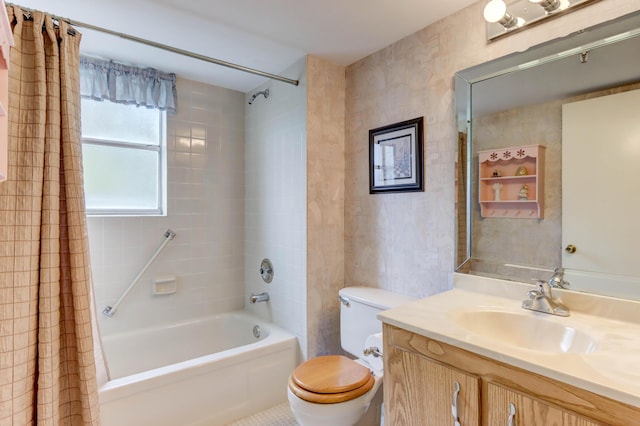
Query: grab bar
[109, 311]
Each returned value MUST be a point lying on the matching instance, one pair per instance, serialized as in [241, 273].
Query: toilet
[337, 390]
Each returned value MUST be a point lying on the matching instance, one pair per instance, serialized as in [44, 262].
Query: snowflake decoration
[520, 153]
[506, 154]
[494, 156]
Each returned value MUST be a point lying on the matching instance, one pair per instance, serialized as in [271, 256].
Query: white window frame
[161, 149]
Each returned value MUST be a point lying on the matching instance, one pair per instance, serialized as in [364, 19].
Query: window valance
[108, 80]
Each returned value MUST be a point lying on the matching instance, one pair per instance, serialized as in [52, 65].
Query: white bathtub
[206, 372]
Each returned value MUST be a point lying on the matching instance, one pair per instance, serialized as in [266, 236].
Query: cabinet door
[421, 392]
[526, 411]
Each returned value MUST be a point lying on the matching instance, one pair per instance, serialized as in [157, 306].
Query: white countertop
[611, 370]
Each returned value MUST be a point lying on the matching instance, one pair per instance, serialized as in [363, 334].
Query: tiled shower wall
[276, 200]
[205, 165]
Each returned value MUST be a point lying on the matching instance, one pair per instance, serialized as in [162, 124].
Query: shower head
[264, 93]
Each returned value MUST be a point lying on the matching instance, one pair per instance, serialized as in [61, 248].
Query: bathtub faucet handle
[266, 270]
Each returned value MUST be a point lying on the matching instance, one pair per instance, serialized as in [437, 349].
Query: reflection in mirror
[517, 101]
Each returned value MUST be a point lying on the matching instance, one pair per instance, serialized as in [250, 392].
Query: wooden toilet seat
[330, 379]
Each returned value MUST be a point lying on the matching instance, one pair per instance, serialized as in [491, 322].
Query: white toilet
[338, 391]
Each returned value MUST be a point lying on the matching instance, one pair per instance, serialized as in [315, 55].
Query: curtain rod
[171, 49]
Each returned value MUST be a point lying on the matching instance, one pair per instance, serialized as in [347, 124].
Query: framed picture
[395, 157]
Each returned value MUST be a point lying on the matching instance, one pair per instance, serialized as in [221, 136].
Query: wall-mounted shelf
[505, 176]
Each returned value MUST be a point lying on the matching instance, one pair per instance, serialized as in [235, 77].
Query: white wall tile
[275, 203]
[205, 209]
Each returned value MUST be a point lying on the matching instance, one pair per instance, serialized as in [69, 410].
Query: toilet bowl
[339, 391]
[335, 390]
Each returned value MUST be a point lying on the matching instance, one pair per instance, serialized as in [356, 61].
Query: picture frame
[395, 157]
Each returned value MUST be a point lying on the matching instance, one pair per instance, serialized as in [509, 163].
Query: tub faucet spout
[261, 297]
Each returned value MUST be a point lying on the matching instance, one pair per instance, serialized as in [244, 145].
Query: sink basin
[527, 331]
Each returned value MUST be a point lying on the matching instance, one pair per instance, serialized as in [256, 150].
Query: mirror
[518, 101]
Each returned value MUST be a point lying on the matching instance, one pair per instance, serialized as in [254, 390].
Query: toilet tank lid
[376, 297]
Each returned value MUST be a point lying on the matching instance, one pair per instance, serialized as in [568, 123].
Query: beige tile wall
[405, 242]
[325, 203]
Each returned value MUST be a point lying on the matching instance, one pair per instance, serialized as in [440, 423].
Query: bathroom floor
[280, 415]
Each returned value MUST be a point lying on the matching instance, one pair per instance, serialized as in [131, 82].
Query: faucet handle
[539, 284]
[539, 292]
[558, 282]
[534, 294]
[557, 279]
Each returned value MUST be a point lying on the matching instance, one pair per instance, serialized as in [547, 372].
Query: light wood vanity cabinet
[527, 411]
[423, 392]
[419, 390]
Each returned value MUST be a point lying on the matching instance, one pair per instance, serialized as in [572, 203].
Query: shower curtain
[47, 366]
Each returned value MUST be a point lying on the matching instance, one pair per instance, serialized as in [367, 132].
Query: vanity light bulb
[495, 10]
[564, 4]
[535, 1]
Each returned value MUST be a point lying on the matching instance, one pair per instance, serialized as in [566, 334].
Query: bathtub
[210, 371]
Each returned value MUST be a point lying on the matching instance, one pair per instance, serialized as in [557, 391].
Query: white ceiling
[268, 35]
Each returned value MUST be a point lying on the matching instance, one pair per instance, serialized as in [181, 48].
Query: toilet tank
[358, 311]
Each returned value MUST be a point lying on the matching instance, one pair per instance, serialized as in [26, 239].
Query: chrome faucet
[260, 297]
[557, 279]
[541, 300]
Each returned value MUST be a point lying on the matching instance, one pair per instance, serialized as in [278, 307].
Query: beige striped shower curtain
[47, 367]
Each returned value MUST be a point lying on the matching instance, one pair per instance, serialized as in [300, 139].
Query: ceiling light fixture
[508, 16]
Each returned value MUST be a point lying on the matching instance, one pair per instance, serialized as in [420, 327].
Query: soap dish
[163, 286]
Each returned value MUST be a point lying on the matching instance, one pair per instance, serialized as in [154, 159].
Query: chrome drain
[256, 331]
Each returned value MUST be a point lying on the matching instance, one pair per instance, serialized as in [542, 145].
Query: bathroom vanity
[474, 355]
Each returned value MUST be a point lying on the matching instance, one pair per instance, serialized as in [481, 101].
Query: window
[124, 159]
